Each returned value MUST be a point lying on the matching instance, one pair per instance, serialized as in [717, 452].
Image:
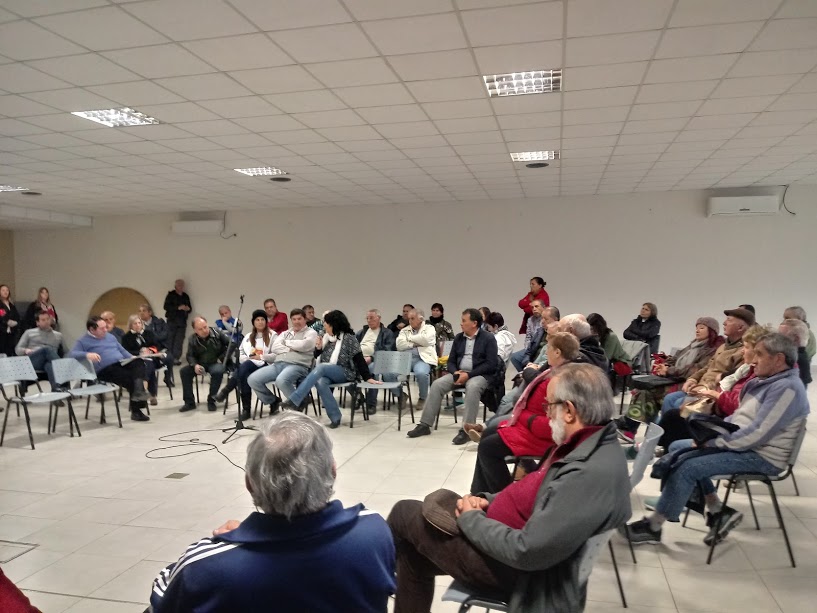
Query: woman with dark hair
[486, 313]
[537, 292]
[9, 320]
[505, 340]
[255, 345]
[443, 329]
[608, 339]
[339, 361]
[646, 327]
[42, 303]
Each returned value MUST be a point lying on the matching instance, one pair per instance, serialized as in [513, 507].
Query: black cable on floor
[193, 442]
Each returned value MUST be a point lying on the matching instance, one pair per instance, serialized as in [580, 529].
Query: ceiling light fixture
[535, 156]
[117, 118]
[521, 83]
[12, 188]
[281, 179]
[258, 172]
[537, 165]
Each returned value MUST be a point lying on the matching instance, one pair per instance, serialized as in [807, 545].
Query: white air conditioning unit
[742, 205]
[198, 228]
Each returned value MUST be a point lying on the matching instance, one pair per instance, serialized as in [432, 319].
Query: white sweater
[246, 347]
[425, 339]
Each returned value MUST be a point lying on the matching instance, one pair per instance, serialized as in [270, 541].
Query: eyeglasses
[550, 405]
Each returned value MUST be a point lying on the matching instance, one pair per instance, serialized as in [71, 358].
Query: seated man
[110, 321]
[772, 410]
[158, 327]
[472, 361]
[726, 359]
[277, 319]
[299, 551]
[373, 338]
[798, 332]
[526, 541]
[206, 350]
[292, 356]
[533, 335]
[796, 312]
[401, 321]
[226, 323]
[312, 321]
[105, 353]
[420, 338]
[42, 345]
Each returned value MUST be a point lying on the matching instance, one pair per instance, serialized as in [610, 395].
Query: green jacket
[209, 350]
[614, 351]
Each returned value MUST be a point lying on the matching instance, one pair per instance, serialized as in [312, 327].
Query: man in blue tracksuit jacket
[301, 554]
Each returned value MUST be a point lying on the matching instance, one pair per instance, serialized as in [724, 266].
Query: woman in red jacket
[537, 292]
[527, 432]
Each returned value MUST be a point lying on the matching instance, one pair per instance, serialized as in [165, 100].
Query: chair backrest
[71, 369]
[392, 362]
[645, 453]
[798, 443]
[447, 348]
[639, 353]
[592, 550]
[18, 368]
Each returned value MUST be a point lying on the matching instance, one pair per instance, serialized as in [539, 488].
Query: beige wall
[605, 253]
[7, 260]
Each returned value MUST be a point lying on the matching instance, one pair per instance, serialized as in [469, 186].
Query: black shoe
[211, 404]
[461, 438]
[177, 362]
[640, 532]
[371, 410]
[188, 406]
[288, 404]
[333, 424]
[169, 382]
[137, 415]
[222, 395]
[419, 430]
[245, 415]
[720, 524]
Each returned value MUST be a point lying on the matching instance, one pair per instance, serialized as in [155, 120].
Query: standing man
[41, 345]
[177, 308]
[206, 349]
[472, 362]
[420, 338]
[277, 320]
[110, 321]
[373, 338]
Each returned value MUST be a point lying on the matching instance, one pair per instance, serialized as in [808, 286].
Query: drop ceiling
[382, 102]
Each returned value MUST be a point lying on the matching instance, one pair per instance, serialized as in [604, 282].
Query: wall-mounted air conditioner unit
[199, 228]
[742, 205]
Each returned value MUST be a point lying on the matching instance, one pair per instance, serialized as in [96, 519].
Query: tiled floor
[106, 518]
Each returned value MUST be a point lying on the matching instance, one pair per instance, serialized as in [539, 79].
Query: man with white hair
[798, 332]
[373, 338]
[420, 338]
[796, 312]
[300, 551]
[525, 542]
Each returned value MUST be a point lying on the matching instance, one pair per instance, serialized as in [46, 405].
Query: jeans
[321, 377]
[422, 373]
[187, 374]
[42, 358]
[519, 359]
[285, 375]
[696, 470]
[444, 385]
[672, 401]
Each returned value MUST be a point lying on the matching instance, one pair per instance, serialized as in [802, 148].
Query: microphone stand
[239, 424]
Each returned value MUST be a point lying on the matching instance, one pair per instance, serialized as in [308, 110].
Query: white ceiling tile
[243, 52]
[288, 14]
[102, 28]
[797, 8]
[349, 133]
[159, 61]
[531, 103]
[173, 18]
[642, 148]
[599, 129]
[512, 25]
[74, 99]
[17, 106]
[772, 118]
[329, 119]
[331, 158]
[596, 77]
[53, 140]
[479, 149]
[156, 132]
[204, 87]
[594, 17]
[713, 122]
[190, 144]
[177, 112]
[610, 49]
[806, 85]
[60, 123]
[416, 34]
[666, 92]
[23, 40]
[423, 153]
[783, 34]
[768, 131]
[514, 58]
[795, 102]
[246, 106]
[325, 43]
[83, 70]
[654, 125]
[37, 8]
[140, 147]
[316, 100]
[752, 86]
[647, 138]
[135, 93]
[589, 141]
[366, 71]
[457, 109]
[703, 12]
[367, 146]
[689, 69]
[276, 80]
[475, 138]
[532, 133]
[707, 40]
[218, 127]
[364, 10]
[723, 106]
[664, 110]
[762, 63]
[234, 141]
[19, 78]
[102, 135]
[374, 95]
[600, 115]
[272, 123]
[291, 137]
[393, 114]
[407, 129]
[592, 98]
[434, 65]
[440, 90]
[706, 135]
[529, 120]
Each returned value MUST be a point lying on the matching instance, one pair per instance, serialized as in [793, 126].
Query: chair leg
[751, 504]
[780, 522]
[729, 486]
[73, 416]
[28, 424]
[5, 421]
[794, 481]
[618, 577]
[630, 543]
[102, 419]
[686, 516]
[196, 379]
[52, 426]
[88, 406]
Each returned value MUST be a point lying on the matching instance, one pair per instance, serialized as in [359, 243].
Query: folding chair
[17, 370]
[391, 363]
[70, 369]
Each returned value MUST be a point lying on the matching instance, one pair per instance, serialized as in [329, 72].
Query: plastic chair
[17, 370]
[70, 369]
[391, 363]
[467, 597]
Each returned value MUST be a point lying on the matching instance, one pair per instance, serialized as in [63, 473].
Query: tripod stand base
[239, 425]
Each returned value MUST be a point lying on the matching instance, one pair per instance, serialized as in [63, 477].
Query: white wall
[604, 253]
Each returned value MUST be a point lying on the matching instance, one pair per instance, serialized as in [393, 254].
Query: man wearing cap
[726, 359]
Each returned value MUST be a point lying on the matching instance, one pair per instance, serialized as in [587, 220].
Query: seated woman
[505, 340]
[339, 361]
[645, 404]
[443, 329]
[256, 344]
[527, 432]
[646, 327]
[608, 340]
[138, 341]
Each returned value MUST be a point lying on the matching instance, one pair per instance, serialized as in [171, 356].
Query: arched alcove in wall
[123, 301]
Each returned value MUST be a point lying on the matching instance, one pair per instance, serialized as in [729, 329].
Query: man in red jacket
[537, 292]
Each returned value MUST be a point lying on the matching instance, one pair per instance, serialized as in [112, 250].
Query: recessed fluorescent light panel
[258, 172]
[535, 156]
[12, 188]
[520, 83]
[117, 118]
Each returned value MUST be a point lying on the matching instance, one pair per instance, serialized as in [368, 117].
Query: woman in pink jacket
[537, 292]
